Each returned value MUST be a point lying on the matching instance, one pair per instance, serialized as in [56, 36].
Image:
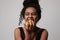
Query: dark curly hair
[30, 3]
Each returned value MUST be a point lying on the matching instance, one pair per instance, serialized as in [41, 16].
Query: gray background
[9, 18]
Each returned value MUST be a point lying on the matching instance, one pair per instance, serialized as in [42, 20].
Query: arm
[17, 35]
[44, 35]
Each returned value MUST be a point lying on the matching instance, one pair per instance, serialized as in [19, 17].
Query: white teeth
[30, 20]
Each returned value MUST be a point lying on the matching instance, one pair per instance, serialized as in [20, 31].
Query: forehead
[30, 9]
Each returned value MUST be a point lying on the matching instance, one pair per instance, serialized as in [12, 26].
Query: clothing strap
[22, 33]
[39, 34]
[37, 37]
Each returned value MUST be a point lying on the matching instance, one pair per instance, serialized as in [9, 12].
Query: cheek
[25, 17]
[35, 18]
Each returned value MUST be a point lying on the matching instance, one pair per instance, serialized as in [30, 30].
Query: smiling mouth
[30, 19]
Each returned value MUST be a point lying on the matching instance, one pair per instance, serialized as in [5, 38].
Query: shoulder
[16, 30]
[45, 32]
[44, 35]
[17, 34]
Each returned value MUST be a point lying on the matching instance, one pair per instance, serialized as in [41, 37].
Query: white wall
[9, 15]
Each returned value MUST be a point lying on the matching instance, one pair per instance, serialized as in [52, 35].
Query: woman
[31, 13]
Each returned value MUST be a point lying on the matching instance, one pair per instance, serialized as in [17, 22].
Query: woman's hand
[29, 24]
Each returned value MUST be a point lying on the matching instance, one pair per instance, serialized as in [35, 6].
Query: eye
[34, 13]
[27, 13]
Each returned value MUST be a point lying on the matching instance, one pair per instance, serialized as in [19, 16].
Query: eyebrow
[29, 12]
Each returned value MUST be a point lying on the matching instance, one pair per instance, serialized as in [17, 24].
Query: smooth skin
[30, 14]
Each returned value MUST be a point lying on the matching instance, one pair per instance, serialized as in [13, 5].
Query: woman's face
[31, 14]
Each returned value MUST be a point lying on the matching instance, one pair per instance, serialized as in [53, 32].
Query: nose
[30, 16]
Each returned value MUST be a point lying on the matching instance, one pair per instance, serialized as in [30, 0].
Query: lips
[30, 19]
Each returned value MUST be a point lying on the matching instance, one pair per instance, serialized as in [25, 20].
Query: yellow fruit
[27, 23]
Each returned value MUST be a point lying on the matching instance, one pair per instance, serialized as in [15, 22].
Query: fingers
[26, 24]
[29, 23]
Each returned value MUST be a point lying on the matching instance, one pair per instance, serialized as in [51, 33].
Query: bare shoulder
[45, 31]
[16, 30]
[44, 35]
[17, 34]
